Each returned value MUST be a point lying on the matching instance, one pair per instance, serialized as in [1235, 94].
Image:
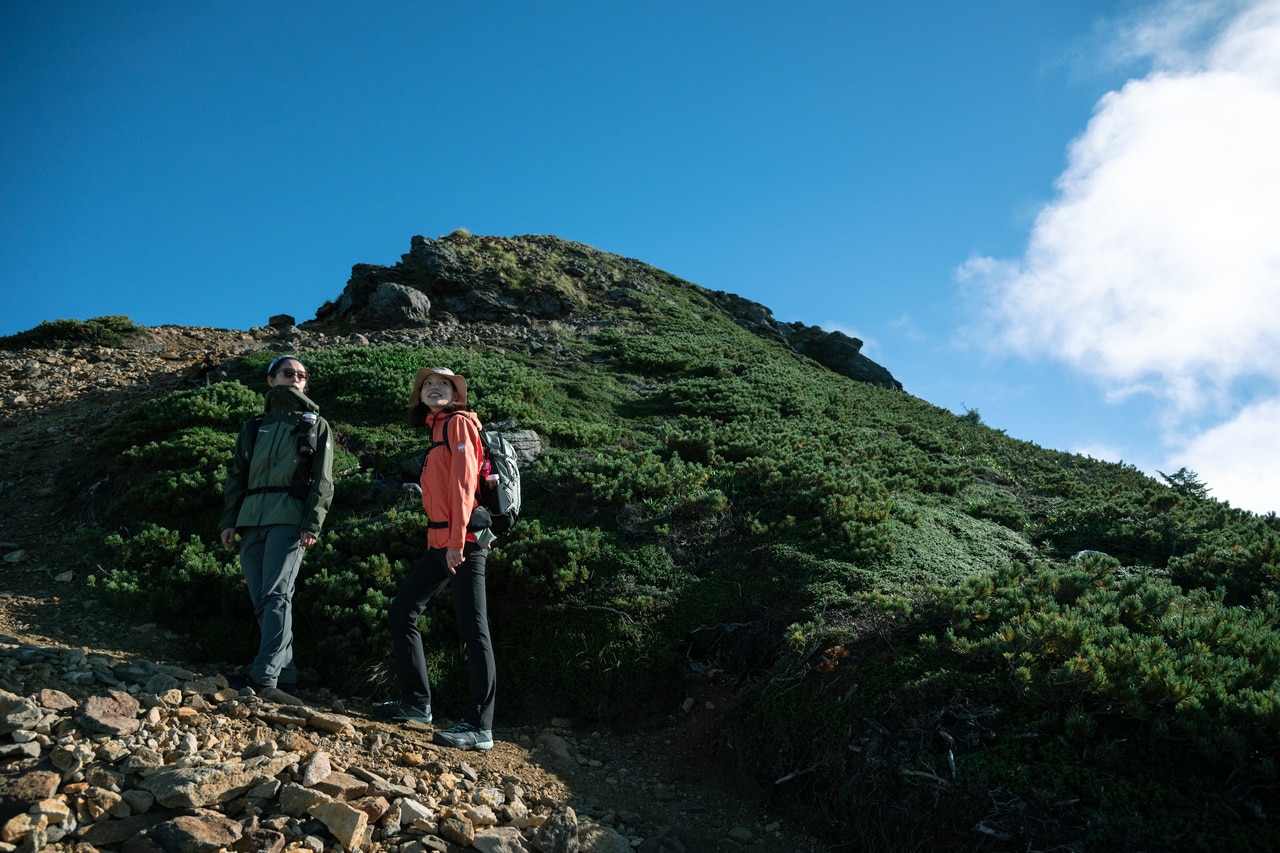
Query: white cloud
[1159, 261]
[1156, 268]
[1239, 460]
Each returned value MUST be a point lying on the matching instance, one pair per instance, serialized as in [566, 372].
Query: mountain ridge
[520, 280]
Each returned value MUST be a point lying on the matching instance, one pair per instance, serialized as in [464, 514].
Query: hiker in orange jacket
[450, 477]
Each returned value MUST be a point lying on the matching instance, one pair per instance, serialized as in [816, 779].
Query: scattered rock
[129, 769]
[558, 833]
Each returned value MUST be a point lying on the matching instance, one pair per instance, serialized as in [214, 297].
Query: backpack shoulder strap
[444, 435]
[444, 441]
[444, 430]
[307, 431]
[481, 448]
[249, 432]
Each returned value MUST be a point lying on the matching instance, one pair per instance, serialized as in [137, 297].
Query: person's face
[291, 373]
[437, 392]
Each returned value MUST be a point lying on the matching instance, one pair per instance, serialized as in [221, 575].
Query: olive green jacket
[277, 463]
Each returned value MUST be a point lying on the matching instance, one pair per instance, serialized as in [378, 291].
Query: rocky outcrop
[838, 352]
[478, 280]
[835, 351]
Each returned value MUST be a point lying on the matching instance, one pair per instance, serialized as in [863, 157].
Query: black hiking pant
[470, 606]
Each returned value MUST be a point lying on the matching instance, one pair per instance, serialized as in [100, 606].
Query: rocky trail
[109, 740]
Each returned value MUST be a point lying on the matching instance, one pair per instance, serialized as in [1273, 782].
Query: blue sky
[1060, 213]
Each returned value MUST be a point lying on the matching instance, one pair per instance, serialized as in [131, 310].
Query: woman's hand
[228, 537]
[306, 540]
[453, 559]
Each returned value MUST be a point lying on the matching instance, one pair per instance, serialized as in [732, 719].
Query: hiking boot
[275, 694]
[465, 736]
[242, 683]
[402, 711]
[239, 681]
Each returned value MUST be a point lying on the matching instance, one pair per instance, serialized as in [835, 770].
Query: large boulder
[396, 305]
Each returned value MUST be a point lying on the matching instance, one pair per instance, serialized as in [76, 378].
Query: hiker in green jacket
[276, 496]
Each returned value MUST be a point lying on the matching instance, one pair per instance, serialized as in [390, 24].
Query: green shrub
[173, 579]
[980, 683]
[106, 331]
[1242, 564]
[1131, 649]
[585, 660]
[223, 405]
[559, 558]
[1000, 507]
[177, 481]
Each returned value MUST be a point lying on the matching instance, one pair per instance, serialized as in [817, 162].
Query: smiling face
[289, 372]
[437, 392]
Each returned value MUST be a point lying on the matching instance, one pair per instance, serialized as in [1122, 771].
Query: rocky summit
[523, 282]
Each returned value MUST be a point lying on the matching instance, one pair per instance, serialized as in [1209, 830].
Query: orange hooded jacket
[451, 477]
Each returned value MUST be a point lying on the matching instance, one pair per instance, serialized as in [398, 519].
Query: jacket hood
[283, 398]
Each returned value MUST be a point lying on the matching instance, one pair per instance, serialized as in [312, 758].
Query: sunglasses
[290, 373]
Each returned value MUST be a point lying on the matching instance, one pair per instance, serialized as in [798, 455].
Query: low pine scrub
[1079, 703]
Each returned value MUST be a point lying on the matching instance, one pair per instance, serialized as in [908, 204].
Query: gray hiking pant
[270, 558]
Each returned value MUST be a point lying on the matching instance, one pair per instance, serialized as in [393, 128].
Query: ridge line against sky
[1060, 214]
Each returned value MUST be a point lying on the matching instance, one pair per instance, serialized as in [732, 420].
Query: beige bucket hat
[459, 384]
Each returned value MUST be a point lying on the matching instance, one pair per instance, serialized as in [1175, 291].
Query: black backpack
[498, 494]
[307, 431]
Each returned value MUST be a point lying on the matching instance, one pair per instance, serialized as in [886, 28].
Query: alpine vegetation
[938, 634]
